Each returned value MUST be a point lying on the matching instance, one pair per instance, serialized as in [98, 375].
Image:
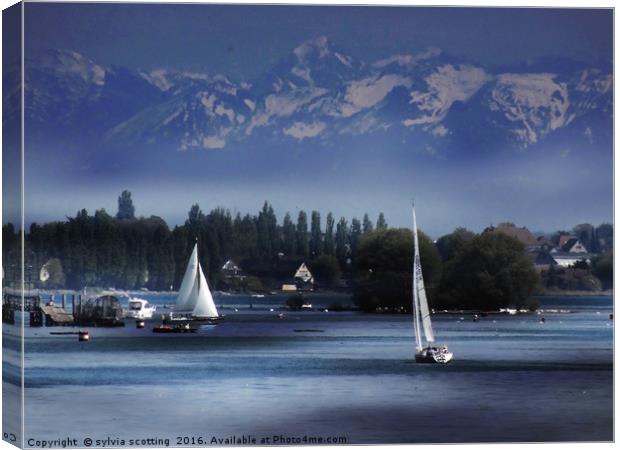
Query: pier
[42, 309]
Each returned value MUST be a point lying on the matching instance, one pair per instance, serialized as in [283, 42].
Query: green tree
[195, 219]
[245, 237]
[491, 271]
[316, 246]
[303, 248]
[603, 269]
[126, 209]
[330, 244]
[295, 302]
[605, 237]
[342, 244]
[326, 270]
[451, 244]
[355, 234]
[381, 223]
[289, 239]
[384, 269]
[267, 231]
[585, 233]
[367, 224]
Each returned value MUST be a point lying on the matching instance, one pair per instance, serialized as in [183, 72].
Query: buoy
[542, 320]
[139, 323]
[83, 336]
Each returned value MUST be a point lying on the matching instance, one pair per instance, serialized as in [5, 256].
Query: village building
[570, 251]
[545, 243]
[563, 239]
[573, 245]
[303, 280]
[522, 234]
[231, 270]
[289, 287]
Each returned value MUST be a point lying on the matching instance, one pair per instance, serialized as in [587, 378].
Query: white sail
[205, 306]
[185, 299]
[419, 292]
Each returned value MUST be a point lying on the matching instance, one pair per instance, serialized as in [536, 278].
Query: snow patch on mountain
[408, 60]
[366, 93]
[346, 60]
[66, 63]
[206, 141]
[250, 104]
[593, 80]
[440, 131]
[158, 78]
[536, 102]
[448, 84]
[301, 131]
[284, 105]
[213, 142]
[303, 73]
[316, 47]
[364, 123]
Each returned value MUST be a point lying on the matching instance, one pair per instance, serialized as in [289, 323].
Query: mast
[198, 270]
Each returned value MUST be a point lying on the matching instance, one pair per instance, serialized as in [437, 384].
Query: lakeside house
[231, 270]
[542, 251]
[522, 234]
[570, 251]
[302, 280]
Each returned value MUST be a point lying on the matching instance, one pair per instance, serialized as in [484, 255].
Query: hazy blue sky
[242, 41]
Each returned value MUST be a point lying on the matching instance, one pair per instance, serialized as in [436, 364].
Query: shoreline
[544, 293]
[561, 293]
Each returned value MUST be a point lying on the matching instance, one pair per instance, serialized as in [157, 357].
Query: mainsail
[184, 297]
[420, 303]
[194, 295]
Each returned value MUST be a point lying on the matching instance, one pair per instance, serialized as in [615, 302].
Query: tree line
[461, 269]
[465, 270]
[128, 252]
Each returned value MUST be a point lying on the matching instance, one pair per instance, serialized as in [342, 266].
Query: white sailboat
[194, 300]
[421, 314]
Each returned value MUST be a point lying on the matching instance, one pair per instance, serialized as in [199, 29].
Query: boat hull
[177, 329]
[144, 314]
[189, 318]
[426, 357]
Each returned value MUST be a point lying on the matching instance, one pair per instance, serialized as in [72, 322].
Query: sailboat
[421, 314]
[194, 300]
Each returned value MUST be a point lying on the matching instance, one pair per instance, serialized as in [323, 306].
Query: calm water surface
[326, 374]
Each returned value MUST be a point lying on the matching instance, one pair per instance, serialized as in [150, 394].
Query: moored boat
[139, 309]
[194, 301]
[165, 328]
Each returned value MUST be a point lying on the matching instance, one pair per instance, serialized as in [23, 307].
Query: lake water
[340, 375]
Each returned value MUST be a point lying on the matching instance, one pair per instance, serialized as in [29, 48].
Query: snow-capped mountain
[318, 94]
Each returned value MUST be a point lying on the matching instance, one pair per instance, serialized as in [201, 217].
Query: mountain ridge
[315, 93]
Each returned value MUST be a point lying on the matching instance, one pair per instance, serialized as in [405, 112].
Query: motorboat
[138, 308]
